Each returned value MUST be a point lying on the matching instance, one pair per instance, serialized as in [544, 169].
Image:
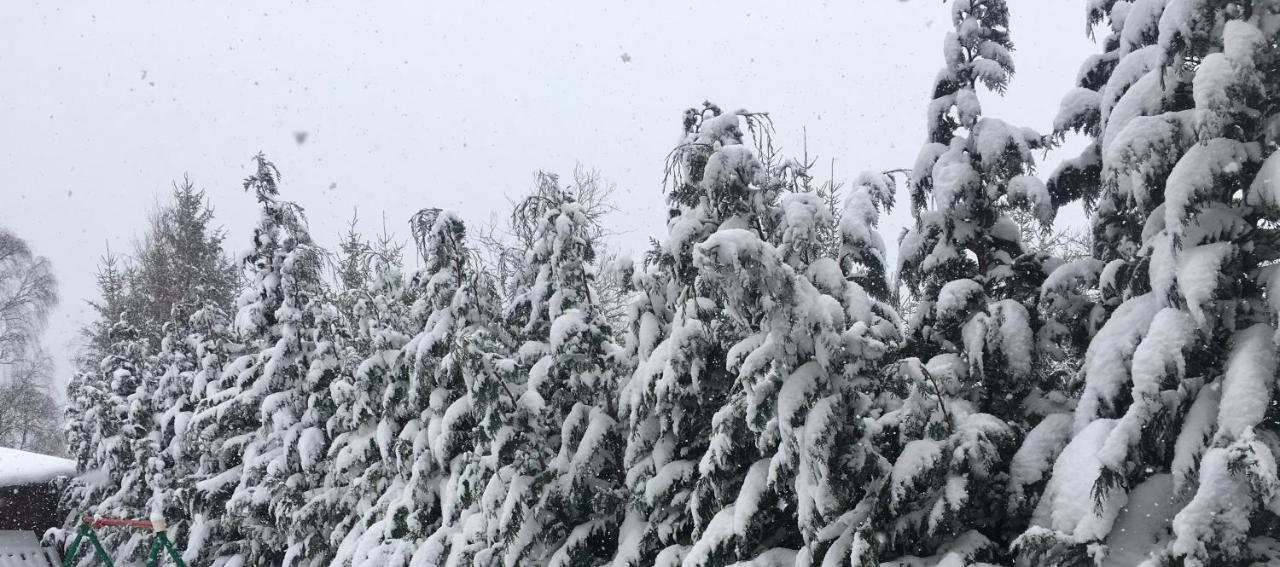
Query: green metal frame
[85, 530]
[160, 541]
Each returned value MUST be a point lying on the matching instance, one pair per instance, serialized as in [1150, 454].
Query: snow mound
[1144, 523]
[20, 467]
[1068, 505]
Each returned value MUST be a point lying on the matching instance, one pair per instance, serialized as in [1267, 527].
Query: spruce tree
[178, 266]
[112, 279]
[88, 389]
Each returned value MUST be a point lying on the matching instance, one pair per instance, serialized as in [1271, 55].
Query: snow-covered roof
[20, 467]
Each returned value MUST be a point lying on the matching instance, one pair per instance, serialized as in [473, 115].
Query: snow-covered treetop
[714, 179]
[440, 236]
[284, 262]
[976, 52]
[265, 180]
[862, 249]
[558, 272]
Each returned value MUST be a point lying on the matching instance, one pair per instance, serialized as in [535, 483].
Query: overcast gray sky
[455, 105]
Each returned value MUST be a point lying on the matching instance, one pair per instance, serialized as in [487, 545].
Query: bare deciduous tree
[28, 291]
[1067, 244]
[29, 417]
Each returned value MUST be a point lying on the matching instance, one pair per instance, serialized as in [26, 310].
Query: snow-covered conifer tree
[282, 463]
[806, 378]
[433, 431]
[1079, 296]
[88, 388]
[178, 265]
[971, 361]
[1100, 108]
[162, 458]
[251, 419]
[681, 480]
[310, 512]
[862, 252]
[468, 397]
[86, 392]
[362, 456]
[558, 492]
[108, 434]
[1081, 110]
[178, 495]
[1173, 444]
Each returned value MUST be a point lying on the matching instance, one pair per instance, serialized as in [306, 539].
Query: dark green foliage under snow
[760, 400]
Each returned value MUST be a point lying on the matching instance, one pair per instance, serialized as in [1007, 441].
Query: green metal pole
[162, 541]
[69, 558]
[97, 546]
[86, 530]
[153, 552]
[173, 552]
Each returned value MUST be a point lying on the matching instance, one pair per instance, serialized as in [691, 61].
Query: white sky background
[451, 104]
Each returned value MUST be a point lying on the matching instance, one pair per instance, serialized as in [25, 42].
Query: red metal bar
[98, 522]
